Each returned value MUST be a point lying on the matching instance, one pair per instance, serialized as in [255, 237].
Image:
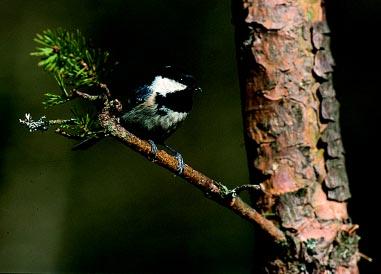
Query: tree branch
[87, 96]
[213, 189]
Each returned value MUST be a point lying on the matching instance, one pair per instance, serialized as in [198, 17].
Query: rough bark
[292, 133]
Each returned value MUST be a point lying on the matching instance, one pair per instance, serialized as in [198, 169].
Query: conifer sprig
[52, 100]
[83, 126]
[79, 71]
[74, 64]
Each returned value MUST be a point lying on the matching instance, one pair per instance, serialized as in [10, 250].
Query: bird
[158, 106]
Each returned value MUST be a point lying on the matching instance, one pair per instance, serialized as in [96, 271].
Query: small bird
[155, 109]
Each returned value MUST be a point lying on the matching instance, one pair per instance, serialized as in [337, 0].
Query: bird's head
[172, 79]
[173, 89]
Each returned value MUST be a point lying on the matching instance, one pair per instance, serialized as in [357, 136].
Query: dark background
[109, 210]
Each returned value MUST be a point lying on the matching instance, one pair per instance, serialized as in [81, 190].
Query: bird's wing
[138, 96]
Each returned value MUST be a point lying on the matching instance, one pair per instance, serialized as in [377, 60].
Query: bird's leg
[153, 150]
[179, 158]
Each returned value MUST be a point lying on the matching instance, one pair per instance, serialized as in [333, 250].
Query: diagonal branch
[213, 189]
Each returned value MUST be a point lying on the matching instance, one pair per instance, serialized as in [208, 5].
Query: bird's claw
[154, 150]
[180, 163]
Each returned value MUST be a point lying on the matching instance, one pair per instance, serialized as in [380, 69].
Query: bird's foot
[180, 163]
[179, 158]
[154, 150]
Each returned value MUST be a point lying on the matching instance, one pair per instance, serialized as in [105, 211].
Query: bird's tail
[88, 142]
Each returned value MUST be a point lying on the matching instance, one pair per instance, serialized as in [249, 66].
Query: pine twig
[87, 96]
[210, 187]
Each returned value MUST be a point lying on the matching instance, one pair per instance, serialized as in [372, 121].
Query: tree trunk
[292, 133]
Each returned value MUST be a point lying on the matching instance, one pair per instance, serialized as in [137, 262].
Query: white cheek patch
[164, 85]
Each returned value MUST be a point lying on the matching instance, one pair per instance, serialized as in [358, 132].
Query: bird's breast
[152, 120]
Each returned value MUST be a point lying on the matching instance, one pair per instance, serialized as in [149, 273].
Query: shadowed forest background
[107, 209]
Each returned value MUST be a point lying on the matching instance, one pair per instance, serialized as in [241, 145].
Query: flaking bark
[292, 133]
